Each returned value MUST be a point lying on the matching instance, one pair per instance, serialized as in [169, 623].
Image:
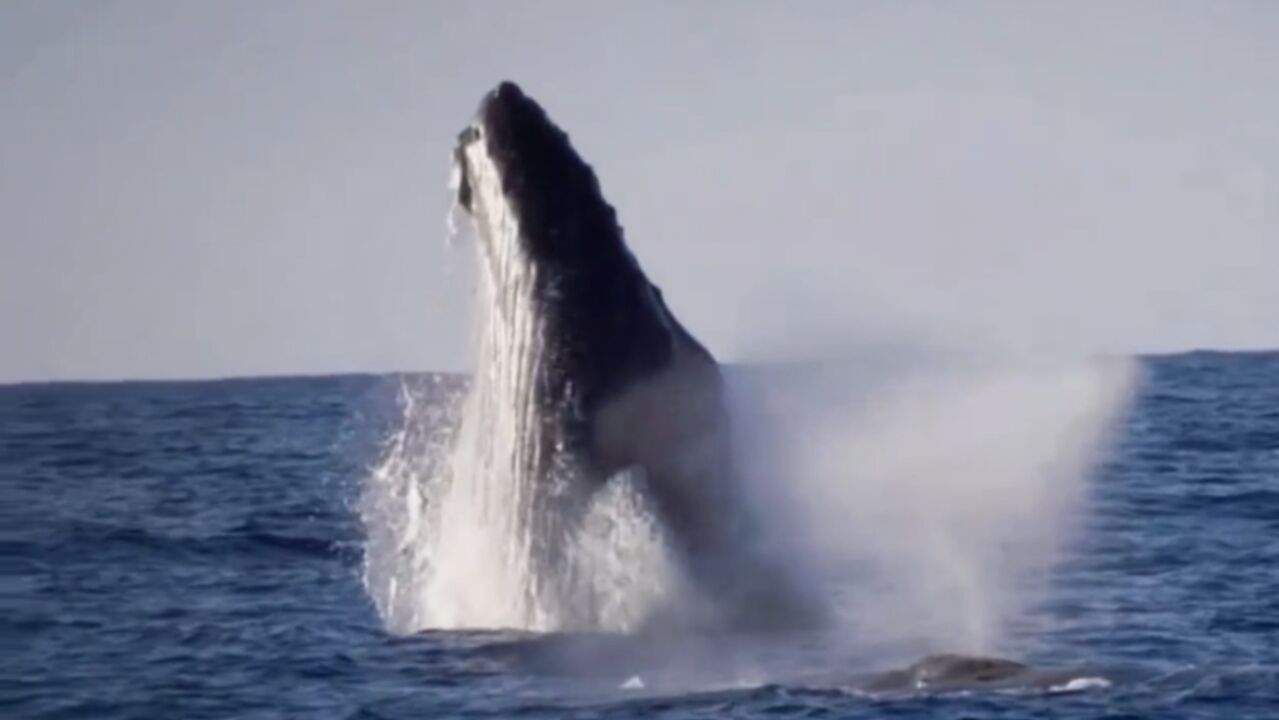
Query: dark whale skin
[622, 384]
[611, 324]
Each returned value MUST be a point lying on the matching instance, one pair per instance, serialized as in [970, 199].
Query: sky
[207, 189]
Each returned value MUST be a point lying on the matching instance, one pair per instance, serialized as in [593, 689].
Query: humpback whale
[605, 378]
[954, 672]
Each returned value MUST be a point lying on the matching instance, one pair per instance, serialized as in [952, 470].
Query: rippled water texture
[194, 550]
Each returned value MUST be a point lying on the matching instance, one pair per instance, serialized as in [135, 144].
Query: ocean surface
[193, 550]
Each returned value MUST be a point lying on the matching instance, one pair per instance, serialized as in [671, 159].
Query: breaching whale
[606, 378]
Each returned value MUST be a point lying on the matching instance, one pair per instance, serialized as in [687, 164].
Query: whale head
[515, 171]
[539, 213]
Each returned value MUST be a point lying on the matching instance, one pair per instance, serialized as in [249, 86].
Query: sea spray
[929, 504]
[397, 504]
[476, 515]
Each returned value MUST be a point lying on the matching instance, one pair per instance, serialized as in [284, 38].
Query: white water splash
[1081, 684]
[462, 519]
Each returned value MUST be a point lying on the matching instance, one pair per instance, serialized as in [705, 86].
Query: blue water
[188, 550]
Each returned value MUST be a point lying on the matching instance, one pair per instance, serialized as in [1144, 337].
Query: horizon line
[324, 374]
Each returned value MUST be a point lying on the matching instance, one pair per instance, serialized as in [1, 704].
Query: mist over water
[928, 501]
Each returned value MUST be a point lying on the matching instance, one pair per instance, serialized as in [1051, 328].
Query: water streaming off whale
[466, 512]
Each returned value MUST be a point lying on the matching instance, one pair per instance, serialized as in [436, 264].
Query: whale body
[606, 377]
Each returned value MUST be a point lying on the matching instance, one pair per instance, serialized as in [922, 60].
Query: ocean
[197, 550]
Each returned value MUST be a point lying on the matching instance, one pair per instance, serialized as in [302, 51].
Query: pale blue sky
[220, 188]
